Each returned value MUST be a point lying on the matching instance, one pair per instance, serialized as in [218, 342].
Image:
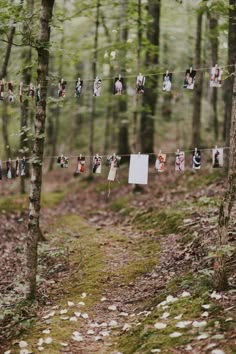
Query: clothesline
[122, 155]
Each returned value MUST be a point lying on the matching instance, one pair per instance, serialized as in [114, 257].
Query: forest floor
[125, 273]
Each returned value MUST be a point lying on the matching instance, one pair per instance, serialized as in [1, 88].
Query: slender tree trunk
[231, 61]
[147, 126]
[34, 231]
[5, 135]
[26, 78]
[197, 95]
[94, 71]
[213, 36]
[123, 130]
[220, 274]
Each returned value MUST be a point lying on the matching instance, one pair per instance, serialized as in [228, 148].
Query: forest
[118, 176]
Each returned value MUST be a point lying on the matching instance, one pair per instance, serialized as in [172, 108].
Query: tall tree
[213, 26]
[220, 275]
[197, 95]
[34, 231]
[231, 61]
[151, 61]
[123, 132]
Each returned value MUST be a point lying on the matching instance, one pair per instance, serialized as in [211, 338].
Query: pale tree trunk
[26, 57]
[34, 231]
[197, 95]
[228, 85]
[94, 73]
[220, 274]
[147, 126]
[213, 26]
[123, 130]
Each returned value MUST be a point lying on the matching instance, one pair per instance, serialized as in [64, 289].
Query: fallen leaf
[175, 335]
[165, 315]
[97, 338]
[94, 325]
[112, 308]
[103, 324]
[155, 350]
[160, 325]
[126, 327]
[7, 352]
[64, 318]
[217, 351]
[62, 312]
[83, 295]
[50, 314]
[23, 344]
[104, 333]
[40, 342]
[77, 336]
[203, 336]
[183, 324]
[206, 306]
[85, 315]
[48, 340]
[90, 331]
[73, 318]
[77, 314]
[185, 294]
[124, 314]
[170, 299]
[40, 349]
[178, 317]
[216, 296]
[63, 344]
[46, 331]
[205, 314]
[218, 336]
[81, 303]
[103, 299]
[113, 323]
[198, 324]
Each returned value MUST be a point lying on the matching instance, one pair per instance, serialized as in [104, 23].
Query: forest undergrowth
[125, 273]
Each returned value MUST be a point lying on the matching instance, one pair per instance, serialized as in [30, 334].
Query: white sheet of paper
[138, 169]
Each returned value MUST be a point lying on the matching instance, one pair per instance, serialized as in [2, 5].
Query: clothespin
[80, 156]
[119, 76]
[159, 152]
[139, 154]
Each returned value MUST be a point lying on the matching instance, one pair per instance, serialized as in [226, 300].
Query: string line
[122, 155]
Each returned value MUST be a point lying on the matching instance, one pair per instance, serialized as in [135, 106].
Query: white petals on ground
[24, 351]
[165, 315]
[183, 324]
[175, 335]
[70, 303]
[185, 294]
[46, 331]
[113, 323]
[97, 338]
[218, 336]
[83, 295]
[124, 314]
[64, 318]
[171, 298]
[155, 350]
[62, 312]
[40, 342]
[216, 296]
[81, 303]
[203, 336]
[94, 325]
[126, 327]
[48, 340]
[206, 306]
[84, 316]
[23, 344]
[90, 331]
[73, 318]
[178, 317]
[77, 314]
[40, 349]
[217, 351]
[7, 352]
[198, 324]
[77, 336]
[63, 344]
[112, 308]
[104, 333]
[103, 299]
[205, 314]
[48, 315]
[210, 346]
[160, 325]
[189, 347]
[229, 319]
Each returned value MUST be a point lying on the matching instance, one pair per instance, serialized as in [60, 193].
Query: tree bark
[197, 95]
[220, 274]
[147, 125]
[213, 26]
[231, 61]
[34, 231]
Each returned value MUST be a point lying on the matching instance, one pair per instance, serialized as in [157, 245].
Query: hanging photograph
[118, 85]
[20, 91]
[80, 168]
[189, 79]
[97, 87]
[167, 81]
[10, 92]
[140, 82]
[23, 167]
[31, 91]
[217, 157]
[63, 161]
[114, 163]
[62, 88]
[97, 164]
[196, 159]
[216, 76]
[138, 169]
[2, 89]
[78, 87]
[9, 168]
[179, 160]
[0, 170]
[160, 164]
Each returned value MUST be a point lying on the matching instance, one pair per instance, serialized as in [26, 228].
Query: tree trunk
[231, 60]
[34, 231]
[94, 71]
[26, 78]
[5, 136]
[123, 132]
[213, 25]
[147, 127]
[220, 274]
[197, 95]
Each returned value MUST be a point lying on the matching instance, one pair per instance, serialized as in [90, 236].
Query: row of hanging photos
[118, 88]
[138, 168]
